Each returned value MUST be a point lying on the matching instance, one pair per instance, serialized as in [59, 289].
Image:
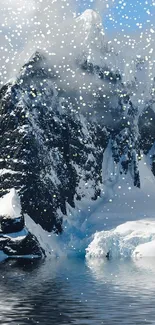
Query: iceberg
[134, 239]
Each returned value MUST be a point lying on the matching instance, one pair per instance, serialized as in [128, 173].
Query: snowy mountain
[69, 144]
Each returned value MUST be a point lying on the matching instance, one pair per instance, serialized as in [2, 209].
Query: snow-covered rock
[90, 17]
[15, 239]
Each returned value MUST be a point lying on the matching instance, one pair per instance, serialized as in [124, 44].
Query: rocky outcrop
[15, 239]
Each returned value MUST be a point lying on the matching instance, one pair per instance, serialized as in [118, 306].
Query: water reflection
[33, 294]
[130, 275]
[74, 292]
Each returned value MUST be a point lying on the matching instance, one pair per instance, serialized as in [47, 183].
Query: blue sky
[126, 15]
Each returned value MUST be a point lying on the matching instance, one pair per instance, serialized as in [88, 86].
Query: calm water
[73, 291]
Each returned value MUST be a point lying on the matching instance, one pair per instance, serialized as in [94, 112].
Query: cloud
[27, 25]
[15, 25]
[14, 12]
[103, 5]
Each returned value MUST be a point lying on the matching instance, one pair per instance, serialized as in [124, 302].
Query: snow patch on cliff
[10, 205]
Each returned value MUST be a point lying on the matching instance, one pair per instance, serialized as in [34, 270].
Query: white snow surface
[132, 239]
[7, 171]
[10, 205]
[89, 18]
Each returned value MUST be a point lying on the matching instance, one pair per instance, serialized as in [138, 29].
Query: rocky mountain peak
[90, 18]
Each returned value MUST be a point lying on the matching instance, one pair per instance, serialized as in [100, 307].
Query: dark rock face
[27, 247]
[125, 148]
[17, 241]
[9, 225]
[147, 129]
[51, 153]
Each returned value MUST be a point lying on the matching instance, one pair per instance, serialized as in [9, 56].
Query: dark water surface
[73, 291]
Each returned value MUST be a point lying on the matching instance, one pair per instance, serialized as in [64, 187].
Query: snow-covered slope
[76, 141]
[89, 27]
